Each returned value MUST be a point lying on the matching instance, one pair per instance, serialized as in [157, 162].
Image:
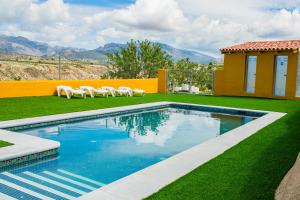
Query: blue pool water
[99, 151]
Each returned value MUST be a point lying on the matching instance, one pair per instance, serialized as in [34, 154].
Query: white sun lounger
[69, 91]
[92, 91]
[177, 89]
[124, 91]
[139, 92]
[111, 90]
[186, 88]
[195, 90]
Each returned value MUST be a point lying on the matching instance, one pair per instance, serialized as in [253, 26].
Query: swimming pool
[99, 151]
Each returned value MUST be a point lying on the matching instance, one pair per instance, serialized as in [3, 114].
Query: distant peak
[20, 37]
[109, 45]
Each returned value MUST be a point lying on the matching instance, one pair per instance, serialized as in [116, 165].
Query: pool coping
[24, 148]
[147, 181]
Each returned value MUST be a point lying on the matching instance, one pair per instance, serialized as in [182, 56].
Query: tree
[153, 58]
[140, 59]
[186, 71]
[124, 63]
[181, 72]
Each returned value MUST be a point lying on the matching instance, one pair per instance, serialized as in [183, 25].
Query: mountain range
[22, 45]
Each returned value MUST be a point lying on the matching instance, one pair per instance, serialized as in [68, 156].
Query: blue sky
[202, 25]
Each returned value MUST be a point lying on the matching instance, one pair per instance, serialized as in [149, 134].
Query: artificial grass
[251, 170]
[4, 144]
[23, 107]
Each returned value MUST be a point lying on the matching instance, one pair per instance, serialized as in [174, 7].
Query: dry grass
[38, 68]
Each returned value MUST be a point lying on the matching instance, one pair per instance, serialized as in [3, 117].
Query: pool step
[6, 197]
[48, 185]
[47, 180]
[56, 192]
[81, 177]
[70, 180]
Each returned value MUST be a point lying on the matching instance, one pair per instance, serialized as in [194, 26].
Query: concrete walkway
[289, 188]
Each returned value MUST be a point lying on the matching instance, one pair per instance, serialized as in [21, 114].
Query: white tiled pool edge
[23, 145]
[149, 180]
[27, 121]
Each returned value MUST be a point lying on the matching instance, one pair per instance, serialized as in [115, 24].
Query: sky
[202, 25]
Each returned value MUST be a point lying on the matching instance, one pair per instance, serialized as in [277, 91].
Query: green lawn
[251, 170]
[4, 144]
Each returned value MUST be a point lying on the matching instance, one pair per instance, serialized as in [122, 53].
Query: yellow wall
[162, 83]
[48, 88]
[218, 82]
[231, 80]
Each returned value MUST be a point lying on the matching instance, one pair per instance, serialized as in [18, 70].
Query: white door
[251, 74]
[298, 77]
[280, 75]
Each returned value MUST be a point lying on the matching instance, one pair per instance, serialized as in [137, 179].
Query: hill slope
[22, 45]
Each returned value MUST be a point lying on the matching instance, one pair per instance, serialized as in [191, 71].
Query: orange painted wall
[48, 88]
[218, 83]
[162, 83]
[234, 75]
[264, 75]
[231, 80]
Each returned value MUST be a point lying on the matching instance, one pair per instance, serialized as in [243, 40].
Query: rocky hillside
[36, 68]
[24, 59]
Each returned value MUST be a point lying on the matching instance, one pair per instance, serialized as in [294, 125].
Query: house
[268, 69]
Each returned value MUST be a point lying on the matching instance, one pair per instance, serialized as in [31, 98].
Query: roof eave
[224, 51]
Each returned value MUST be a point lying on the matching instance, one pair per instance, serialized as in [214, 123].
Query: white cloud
[49, 21]
[205, 25]
[281, 24]
[12, 10]
[197, 24]
[52, 11]
[28, 12]
[152, 15]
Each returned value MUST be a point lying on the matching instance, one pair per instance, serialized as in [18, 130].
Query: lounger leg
[68, 95]
[91, 93]
[58, 92]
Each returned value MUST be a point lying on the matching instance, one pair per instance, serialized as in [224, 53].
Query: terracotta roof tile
[264, 46]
